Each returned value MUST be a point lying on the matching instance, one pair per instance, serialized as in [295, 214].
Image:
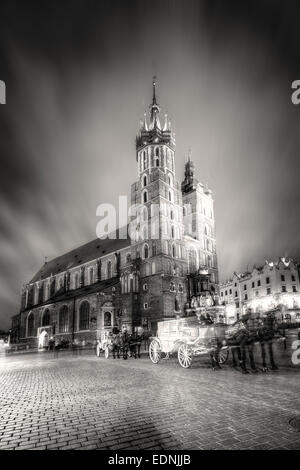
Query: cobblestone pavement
[89, 403]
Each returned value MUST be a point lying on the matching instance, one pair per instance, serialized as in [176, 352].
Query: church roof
[84, 253]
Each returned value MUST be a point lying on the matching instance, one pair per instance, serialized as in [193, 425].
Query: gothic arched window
[146, 251]
[145, 197]
[84, 315]
[91, 273]
[46, 318]
[30, 324]
[63, 325]
[172, 231]
[170, 196]
[144, 160]
[145, 181]
[174, 250]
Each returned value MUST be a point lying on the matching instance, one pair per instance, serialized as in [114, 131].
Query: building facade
[138, 280]
[275, 284]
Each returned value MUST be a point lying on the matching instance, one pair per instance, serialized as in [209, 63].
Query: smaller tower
[190, 182]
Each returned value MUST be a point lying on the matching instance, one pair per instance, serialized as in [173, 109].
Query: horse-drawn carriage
[119, 344]
[188, 338]
[199, 335]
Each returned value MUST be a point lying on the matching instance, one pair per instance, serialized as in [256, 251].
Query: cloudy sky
[78, 77]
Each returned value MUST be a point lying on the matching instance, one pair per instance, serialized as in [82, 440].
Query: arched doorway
[43, 339]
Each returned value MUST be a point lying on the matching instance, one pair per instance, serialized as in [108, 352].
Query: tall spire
[154, 108]
[154, 91]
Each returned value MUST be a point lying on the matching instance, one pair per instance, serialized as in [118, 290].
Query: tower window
[145, 196]
[157, 162]
[170, 196]
[157, 152]
[172, 232]
[145, 160]
[174, 251]
[145, 181]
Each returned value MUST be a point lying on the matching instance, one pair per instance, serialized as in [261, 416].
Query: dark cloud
[78, 78]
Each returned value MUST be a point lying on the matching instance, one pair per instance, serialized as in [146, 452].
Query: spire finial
[154, 119]
[189, 153]
[154, 90]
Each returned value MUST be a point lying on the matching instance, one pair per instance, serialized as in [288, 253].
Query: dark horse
[238, 338]
[135, 342]
[249, 330]
[266, 334]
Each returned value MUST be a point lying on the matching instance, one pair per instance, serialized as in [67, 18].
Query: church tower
[199, 208]
[159, 231]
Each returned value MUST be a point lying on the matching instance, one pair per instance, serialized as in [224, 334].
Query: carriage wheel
[106, 352]
[154, 352]
[185, 356]
[98, 350]
[223, 356]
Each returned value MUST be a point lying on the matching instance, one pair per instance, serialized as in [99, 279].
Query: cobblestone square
[85, 402]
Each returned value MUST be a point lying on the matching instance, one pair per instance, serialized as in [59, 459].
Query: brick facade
[139, 280]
